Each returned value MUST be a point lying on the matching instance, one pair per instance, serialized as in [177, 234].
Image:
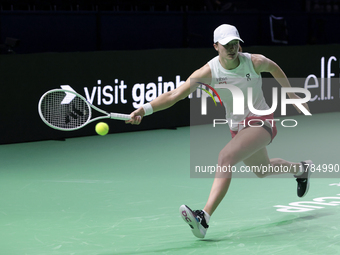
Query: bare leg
[242, 146]
[260, 158]
[294, 167]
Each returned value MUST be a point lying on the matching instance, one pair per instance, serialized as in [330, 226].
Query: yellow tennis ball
[102, 128]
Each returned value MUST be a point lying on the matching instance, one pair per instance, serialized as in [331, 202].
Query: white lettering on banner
[151, 92]
[312, 81]
[88, 97]
[116, 94]
[142, 94]
[103, 94]
[107, 95]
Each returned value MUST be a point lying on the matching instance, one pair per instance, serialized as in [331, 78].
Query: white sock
[301, 170]
[206, 216]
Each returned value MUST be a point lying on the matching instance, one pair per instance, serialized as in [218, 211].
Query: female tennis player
[248, 143]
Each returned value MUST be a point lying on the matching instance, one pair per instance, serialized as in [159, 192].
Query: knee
[225, 158]
[225, 162]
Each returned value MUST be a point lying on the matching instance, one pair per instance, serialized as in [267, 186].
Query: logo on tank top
[248, 77]
[222, 80]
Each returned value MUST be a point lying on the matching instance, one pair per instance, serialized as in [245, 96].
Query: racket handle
[119, 116]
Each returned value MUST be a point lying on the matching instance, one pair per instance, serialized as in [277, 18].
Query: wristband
[147, 109]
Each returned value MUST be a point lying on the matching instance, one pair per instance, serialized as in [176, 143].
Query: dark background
[67, 26]
[46, 44]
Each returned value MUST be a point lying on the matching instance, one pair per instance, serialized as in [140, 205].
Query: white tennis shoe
[195, 219]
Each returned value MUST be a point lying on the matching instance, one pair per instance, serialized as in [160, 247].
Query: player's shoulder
[263, 64]
[260, 62]
[203, 72]
[258, 59]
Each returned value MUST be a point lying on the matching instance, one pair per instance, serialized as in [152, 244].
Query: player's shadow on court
[285, 222]
[243, 233]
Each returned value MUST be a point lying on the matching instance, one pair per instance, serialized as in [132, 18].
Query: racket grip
[119, 116]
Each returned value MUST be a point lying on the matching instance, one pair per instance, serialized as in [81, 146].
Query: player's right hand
[136, 117]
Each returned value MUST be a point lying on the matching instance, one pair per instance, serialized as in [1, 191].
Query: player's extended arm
[263, 64]
[169, 98]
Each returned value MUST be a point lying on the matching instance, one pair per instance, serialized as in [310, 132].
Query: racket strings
[62, 111]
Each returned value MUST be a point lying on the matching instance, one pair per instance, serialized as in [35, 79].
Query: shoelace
[200, 216]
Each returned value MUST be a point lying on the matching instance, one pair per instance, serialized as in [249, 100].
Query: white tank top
[243, 76]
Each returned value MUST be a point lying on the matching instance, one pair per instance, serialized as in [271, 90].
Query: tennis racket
[67, 110]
